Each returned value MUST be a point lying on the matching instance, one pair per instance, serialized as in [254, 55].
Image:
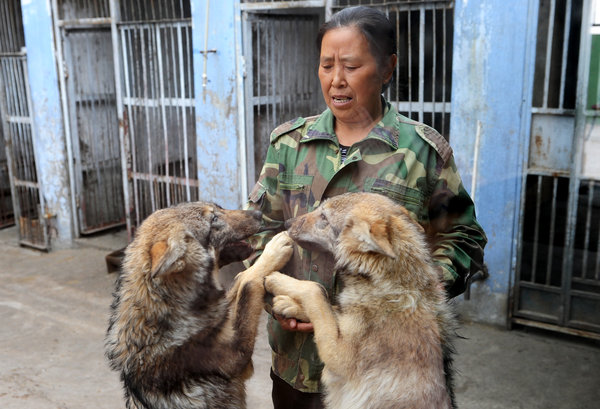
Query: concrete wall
[48, 136]
[490, 105]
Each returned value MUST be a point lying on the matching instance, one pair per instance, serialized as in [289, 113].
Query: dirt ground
[54, 312]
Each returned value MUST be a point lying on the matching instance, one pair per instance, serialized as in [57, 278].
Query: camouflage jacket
[400, 158]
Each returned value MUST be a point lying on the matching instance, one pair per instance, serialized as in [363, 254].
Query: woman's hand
[292, 324]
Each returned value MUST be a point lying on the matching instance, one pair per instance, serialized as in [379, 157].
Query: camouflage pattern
[400, 158]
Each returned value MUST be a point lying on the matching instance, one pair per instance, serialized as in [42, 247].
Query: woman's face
[351, 79]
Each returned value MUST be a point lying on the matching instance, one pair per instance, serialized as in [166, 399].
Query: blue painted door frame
[492, 80]
[48, 131]
[215, 35]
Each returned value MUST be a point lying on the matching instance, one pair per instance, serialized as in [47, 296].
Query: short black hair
[372, 23]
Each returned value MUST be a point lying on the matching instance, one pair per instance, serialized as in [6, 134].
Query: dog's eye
[214, 218]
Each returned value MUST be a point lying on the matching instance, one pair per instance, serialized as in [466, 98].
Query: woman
[360, 143]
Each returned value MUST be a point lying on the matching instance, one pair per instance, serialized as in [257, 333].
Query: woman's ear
[389, 70]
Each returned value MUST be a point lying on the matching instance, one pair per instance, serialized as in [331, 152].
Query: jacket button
[315, 268]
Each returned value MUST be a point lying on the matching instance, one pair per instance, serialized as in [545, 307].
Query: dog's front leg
[307, 299]
[247, 293]
[276, 254]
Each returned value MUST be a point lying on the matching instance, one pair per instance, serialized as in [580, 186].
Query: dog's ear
[165, 257]
[374, 236]
[408, 217]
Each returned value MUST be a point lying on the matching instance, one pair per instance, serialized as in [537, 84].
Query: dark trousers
[286, 397]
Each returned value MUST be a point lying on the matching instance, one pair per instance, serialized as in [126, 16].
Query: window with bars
[557, 55]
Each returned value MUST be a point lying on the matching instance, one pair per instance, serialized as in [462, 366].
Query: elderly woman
[359, 143]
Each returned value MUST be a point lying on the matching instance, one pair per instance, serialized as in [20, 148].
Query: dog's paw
[277, 284]
[287, 307]
[278, 251]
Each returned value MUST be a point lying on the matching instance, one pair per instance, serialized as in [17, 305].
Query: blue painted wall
[490, 97]
[49, 142]
[218, 146]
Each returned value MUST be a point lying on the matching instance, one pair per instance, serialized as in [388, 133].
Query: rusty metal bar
[588, 222]
[126, 47]
[549, 51]
[182, 73]
[563, 71]
[444, 48]
[279, 5]
[552, 231]
[536, 234]
[161, 81]
[421, 63]
[410, 57]
[597, 264]
[433, 68]
[164, 179]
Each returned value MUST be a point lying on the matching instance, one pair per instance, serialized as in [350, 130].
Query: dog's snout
[256, 214]
[288, 223]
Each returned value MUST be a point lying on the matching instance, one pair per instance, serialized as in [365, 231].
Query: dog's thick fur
[176, 337]
[386, 340]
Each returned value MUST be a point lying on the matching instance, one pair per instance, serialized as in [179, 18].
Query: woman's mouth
[340, 100]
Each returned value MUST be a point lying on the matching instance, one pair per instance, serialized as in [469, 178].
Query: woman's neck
[350, 133]
[357, 129]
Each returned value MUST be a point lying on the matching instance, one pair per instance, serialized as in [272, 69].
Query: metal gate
[557, 283]
[281, 69]
[281, 63]
[156, 96]
[89, 104]
[17, 128]
[422, 84]
[7, 217]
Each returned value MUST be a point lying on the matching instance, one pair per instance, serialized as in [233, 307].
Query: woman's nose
[339, 79]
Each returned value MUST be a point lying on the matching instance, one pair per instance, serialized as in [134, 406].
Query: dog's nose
[288, 223]
[257, 214]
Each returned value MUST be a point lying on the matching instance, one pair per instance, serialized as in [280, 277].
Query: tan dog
[385, 342]
[177, 339]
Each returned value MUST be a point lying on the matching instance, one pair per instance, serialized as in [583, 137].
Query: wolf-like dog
[178, 339]
[386, 338]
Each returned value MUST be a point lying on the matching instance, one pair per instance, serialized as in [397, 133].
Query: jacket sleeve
[457, 238]
[266, 198]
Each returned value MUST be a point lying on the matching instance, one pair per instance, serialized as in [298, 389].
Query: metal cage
[154, 61]
[89, 104]
[17, 129]
[557, 282]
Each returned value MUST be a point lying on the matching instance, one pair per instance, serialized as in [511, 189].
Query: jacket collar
[385, 130]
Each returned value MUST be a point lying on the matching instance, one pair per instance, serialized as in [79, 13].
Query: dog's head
[356, 223]
[192, 237]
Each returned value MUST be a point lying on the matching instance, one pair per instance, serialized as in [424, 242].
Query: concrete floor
[54, 311]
